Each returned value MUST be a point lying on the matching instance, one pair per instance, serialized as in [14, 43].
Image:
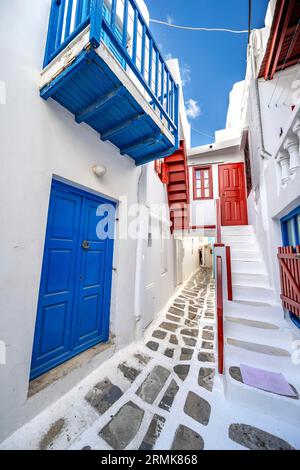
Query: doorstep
[83, 363]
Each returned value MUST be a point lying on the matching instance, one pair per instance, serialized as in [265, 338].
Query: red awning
[283, 49]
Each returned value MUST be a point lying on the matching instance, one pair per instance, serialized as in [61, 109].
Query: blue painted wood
[150, 62]
[143, 51]
[53, 18]
[113, 14]
[68, 20]
[96, 14]
[124, 126]
[80, 87]
[75, 289]
[292, 218]
[134, 39]
[103, 26]
[100, 104]
[125, 23]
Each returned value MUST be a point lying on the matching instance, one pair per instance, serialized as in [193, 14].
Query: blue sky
[211, 62]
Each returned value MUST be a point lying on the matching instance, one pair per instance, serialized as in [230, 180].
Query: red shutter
[164, 173]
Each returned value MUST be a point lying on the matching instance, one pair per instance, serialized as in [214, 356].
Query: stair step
[248, 266]
[250, 293]
[174, 188]
[239, 239]
[252, 323]
[178, 177]
[236, 374]
[245, 255]
[237, 247]
[250, 279]
[258, 348]
[238, 229]
[176, 167]
[255, 310]
[176, 157]
[178, 197]
[253, 330]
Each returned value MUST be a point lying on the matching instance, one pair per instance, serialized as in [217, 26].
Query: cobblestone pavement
[164, 394]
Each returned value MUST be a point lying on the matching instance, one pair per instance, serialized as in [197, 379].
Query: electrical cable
[192, 28]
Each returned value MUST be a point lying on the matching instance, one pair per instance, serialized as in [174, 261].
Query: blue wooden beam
[155, 156]
[100, 104]
[123, 126]
[154, 139]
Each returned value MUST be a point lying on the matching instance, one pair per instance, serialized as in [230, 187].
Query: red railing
[219, 233]
[289, 264]
[228, 251]
[220, 316]
[229, 275]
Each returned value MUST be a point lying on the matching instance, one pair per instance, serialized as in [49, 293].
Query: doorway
[232, 191]
[75, 288]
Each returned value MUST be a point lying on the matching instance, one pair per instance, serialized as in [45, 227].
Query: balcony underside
[102, 96]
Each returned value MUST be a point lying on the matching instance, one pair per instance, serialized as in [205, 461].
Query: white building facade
[41, 144]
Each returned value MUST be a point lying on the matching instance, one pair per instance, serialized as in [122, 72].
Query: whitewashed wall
[40, 140]
[270, 200]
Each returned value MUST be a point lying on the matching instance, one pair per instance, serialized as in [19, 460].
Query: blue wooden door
[74, 299]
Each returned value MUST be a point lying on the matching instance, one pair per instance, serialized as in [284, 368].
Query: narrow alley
[161, 394]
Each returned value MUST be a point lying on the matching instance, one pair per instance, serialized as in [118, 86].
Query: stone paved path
[164, 394]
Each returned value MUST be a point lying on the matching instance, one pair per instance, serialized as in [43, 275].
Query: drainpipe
[263, 152]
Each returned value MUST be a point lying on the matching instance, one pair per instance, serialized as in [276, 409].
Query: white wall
[203, 212]
[277, 97]
[270, 200]
[40, 140]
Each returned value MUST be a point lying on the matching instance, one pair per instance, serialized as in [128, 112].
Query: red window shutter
[165, 173]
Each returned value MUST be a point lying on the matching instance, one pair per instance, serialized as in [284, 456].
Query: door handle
[85, 245]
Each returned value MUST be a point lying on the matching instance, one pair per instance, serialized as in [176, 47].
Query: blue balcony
[103, 65]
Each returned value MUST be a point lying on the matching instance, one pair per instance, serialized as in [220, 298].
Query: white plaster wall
[270, 200]
[235, 106]
[40, 140]
[277, 97]
[191, 256]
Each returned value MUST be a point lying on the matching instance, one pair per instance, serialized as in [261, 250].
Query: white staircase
[250, 279]
[255, 331]
[260, 337]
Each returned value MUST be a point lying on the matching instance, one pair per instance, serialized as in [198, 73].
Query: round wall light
[99, 170]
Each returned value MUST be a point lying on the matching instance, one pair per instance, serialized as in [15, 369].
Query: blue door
[74, 298]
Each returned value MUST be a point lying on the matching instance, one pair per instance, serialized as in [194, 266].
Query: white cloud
[170, 19]
[193, 109]
[185, 72]
[168, 56]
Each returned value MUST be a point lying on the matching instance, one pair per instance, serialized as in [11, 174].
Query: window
[203, 182]
[291, 228]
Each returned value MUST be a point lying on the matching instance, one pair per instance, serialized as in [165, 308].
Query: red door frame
[243, 191]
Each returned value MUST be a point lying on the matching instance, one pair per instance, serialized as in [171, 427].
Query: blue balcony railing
[122, 27]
